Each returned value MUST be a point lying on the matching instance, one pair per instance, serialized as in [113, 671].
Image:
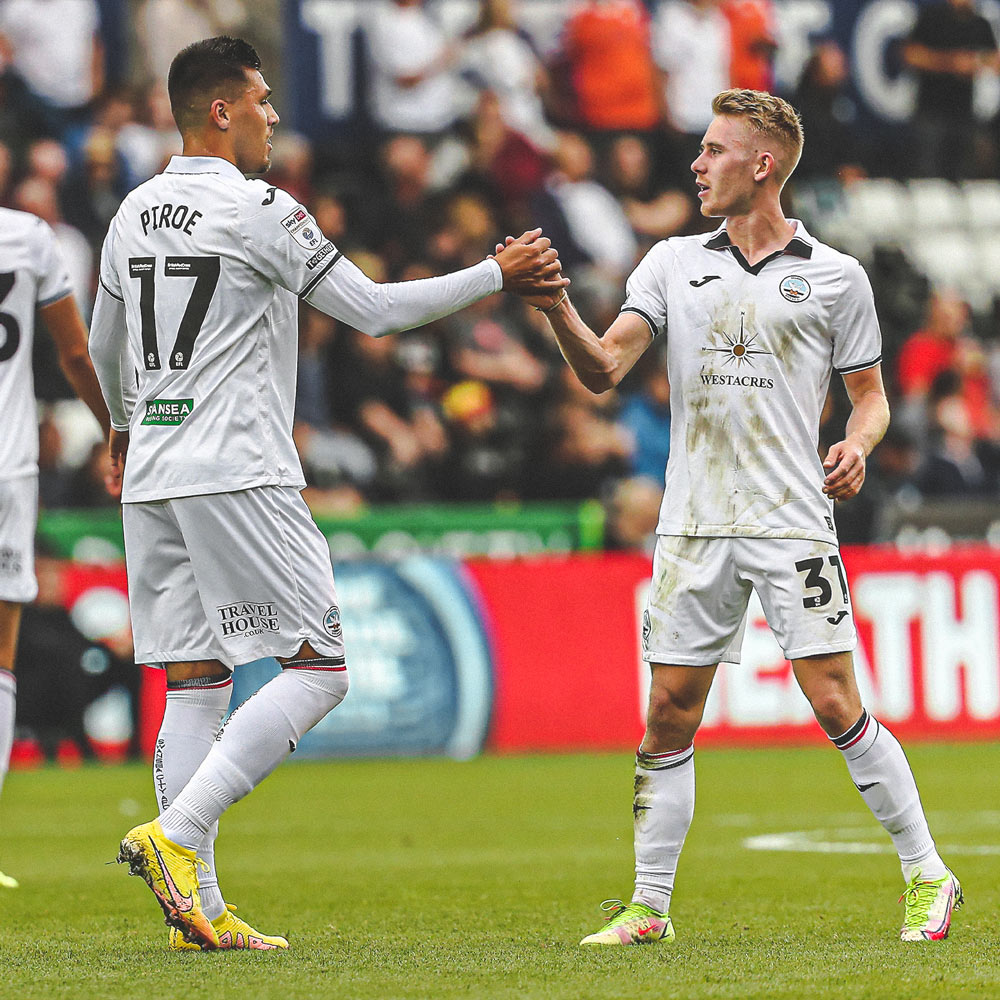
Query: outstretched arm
[846, 460]
[527, 265]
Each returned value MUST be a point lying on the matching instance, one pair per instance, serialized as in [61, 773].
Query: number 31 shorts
[229, 576]
[700, 589]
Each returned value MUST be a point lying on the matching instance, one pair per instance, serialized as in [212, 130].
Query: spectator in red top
[944, 345]
[753, 44]
[614, 80]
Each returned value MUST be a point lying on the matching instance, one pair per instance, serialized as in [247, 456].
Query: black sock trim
[846, 739]
[664, 761]
[196, 683]
[316, 663]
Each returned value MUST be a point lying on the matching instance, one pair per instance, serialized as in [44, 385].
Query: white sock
[191, 721]
[258, 736]
[881, 773]
[663, 807]
[8, 707]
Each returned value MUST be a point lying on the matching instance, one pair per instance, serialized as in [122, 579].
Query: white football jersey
[750, 352]
[32, 275]
[206, 268]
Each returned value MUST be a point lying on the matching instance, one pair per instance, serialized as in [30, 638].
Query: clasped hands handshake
[531, 269]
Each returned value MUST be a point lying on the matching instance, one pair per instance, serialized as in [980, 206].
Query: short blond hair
[767, 116]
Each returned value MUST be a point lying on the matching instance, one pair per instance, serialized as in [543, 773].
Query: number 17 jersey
[209, 266]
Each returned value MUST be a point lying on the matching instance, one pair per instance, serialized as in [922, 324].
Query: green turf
[433, 879]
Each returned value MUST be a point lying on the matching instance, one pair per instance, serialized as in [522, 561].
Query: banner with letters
[325, 75]
[543, 654]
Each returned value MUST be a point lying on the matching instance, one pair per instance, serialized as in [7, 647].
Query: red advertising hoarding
[564, 649]
[565, 635]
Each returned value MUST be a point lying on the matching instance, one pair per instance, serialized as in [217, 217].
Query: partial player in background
[33, 280]
[757, 315]
[201, 274]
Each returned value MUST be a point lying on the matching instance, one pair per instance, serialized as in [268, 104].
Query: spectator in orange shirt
[753, 43]
[944, 345]
[615, 83]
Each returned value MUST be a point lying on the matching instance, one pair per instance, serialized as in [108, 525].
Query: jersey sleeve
[283, 242]
[646, 288]
[53, 278]
[857, 339]
[108, 343]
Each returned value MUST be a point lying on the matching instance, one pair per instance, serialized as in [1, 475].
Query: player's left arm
[66, 327]
[846, 460]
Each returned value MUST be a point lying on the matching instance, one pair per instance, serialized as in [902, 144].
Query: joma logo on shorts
[10, 562]
[246, 618]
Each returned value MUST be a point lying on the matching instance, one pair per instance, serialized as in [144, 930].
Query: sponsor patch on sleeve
[302, 228]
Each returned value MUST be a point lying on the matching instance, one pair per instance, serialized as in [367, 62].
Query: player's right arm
[600, 363]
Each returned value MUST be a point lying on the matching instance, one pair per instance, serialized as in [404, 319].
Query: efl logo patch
[167, 412]
[331, 622]
[302, 229]
[795, 288]
[248, 618]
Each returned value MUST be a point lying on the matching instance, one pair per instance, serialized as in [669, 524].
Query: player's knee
[835, 711]
[672, 717]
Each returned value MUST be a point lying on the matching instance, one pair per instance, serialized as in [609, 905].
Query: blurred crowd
[466, 139]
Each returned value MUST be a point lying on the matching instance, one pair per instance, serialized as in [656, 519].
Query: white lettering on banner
[335, 24]
[958, 622]
[955, 646]
[890, 601]
[880, 24]
[797, 23]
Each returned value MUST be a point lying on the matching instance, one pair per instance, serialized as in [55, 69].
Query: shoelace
[616, 908]
[918, 898]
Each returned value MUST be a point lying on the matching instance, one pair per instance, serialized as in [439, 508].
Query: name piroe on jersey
[175, 216]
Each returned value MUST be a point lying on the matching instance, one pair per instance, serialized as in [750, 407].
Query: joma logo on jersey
[248, 618]
[167, 412]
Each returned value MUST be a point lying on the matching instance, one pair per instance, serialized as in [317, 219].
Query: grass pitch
[434, 879]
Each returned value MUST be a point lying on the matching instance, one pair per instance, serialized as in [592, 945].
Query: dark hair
[203, 69]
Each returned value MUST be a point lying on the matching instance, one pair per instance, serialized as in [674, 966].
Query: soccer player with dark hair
[33, 281]
[195, 341]
[757, 316]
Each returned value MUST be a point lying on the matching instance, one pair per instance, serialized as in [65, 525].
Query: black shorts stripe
[645, 316]
[108, 290]
[859, 368]
[319, 277]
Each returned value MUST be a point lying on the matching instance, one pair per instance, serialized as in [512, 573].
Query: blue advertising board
[419, 665]
[324, 51]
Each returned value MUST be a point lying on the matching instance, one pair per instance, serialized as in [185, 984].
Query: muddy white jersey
[201, 273]
[750, 352]
[32, 275]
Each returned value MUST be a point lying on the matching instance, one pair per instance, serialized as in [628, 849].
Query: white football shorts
[18, 521]
[229, 576]
[698, 597]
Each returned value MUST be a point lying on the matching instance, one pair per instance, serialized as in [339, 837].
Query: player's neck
[760, 232]
[197, 145]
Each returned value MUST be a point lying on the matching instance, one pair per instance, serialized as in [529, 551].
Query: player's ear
[765, 166]
[219, 114]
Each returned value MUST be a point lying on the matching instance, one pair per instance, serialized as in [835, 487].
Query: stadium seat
[950, 260]
[982, 204]
[935, 205]
[880, 208]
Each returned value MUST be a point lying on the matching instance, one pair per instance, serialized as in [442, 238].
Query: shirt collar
[180, 164]
[800, 245]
